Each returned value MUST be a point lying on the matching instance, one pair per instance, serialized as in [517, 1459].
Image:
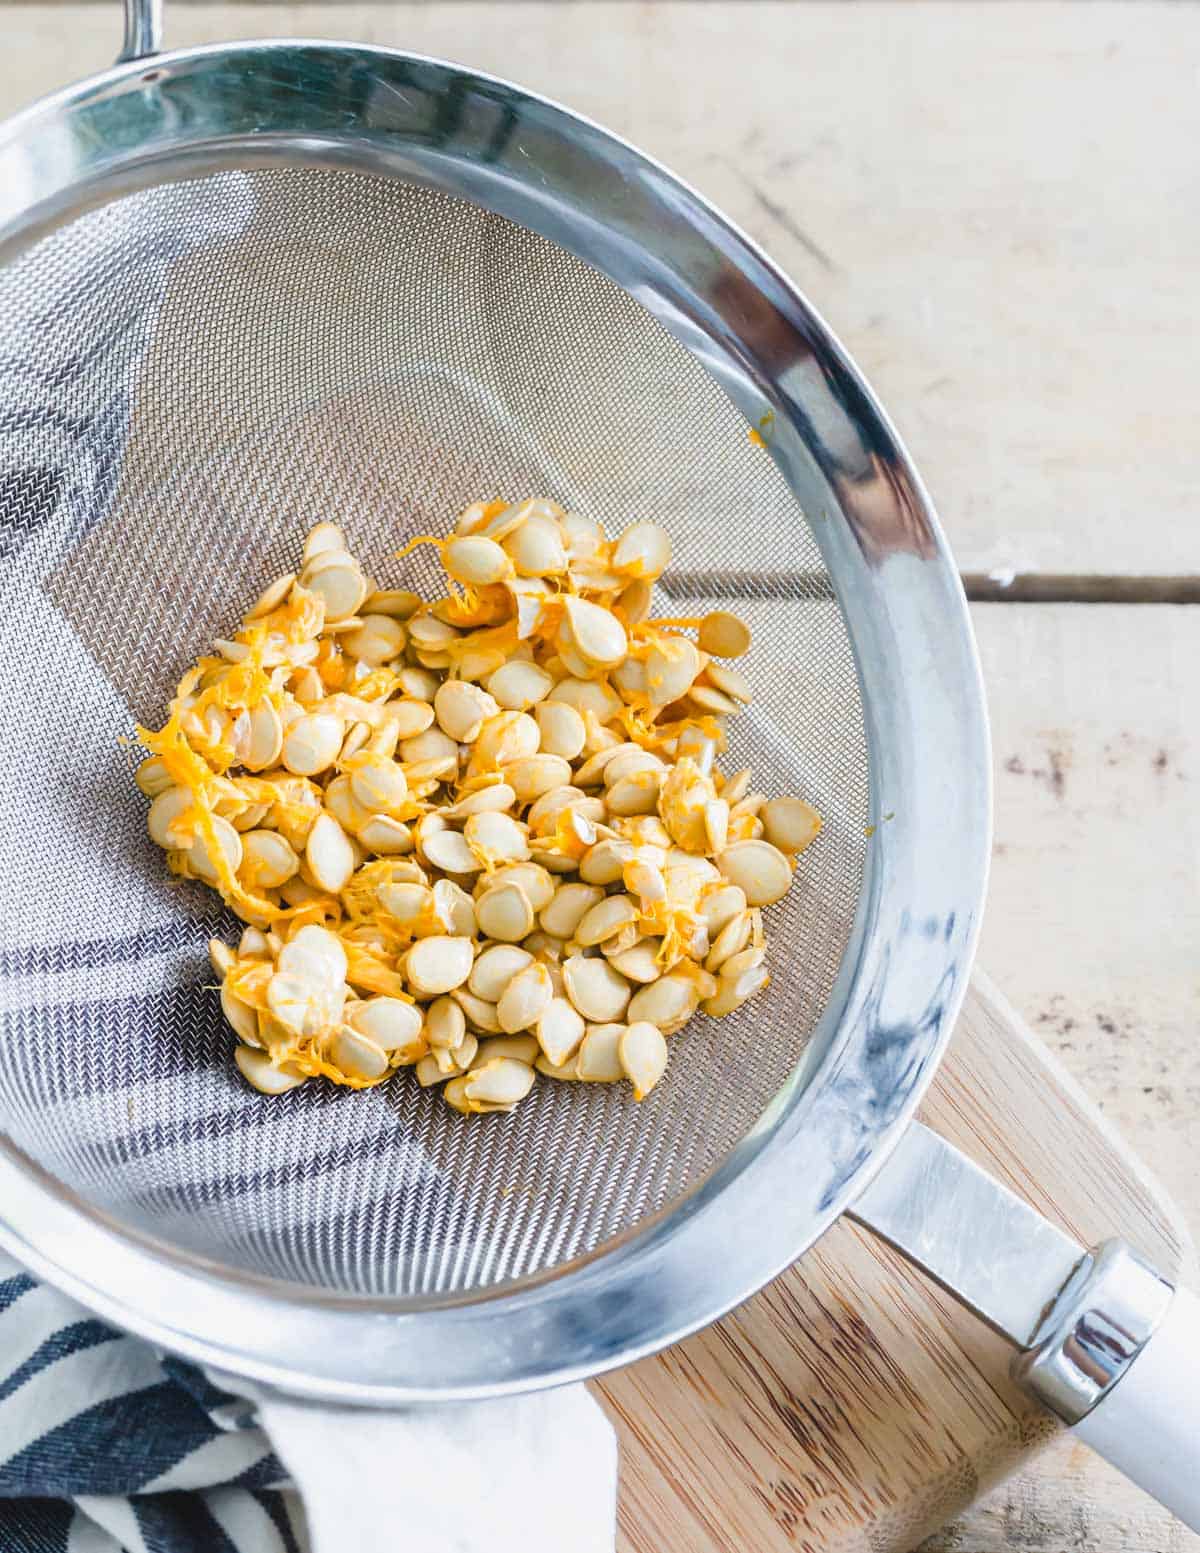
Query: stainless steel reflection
[906, 969]
[143, 30]
[1095, 1329]
[970, 1233]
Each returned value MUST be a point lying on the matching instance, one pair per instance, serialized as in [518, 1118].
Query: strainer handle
[143, 30]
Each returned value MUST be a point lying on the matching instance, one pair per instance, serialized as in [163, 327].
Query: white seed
[544, 811]
[534, 882]
[502, 1082]
[716, 824]
[536, 774]
[643, 551]
[329, 853]
[314, 953]
[596, 990]
[630, 676]
[645, 880]
[376, 640]
[355, 1055]
[271, 597]
[475, 560]
[672, 663]
[221, 957]
[454, 909]
[747, 959]
[462, 709]
[635, 602]
[760, 870]
[733, 991]
[301, 1006]
[595, 633]
[732, 938]
[569, 906]
[433, 744]
[405, 900]
[605, 919]
[449, 851]
[559, 1030]
[583, 536]
[504, 913]
[397, 602]
[438, 964]
[561, 727]
[200, 857]
[521, 1048]
[168, 821]
[393, 1024]
[639, 962]
[599, 1060]
[495, 798]
[506, 737]
[629, 762]
[429, 1071]
[410, 718]
[593, 768]
[496, 838]
[152, 777]
[715, 701]
[724, 635]
[355, 740]
[605, 862]
[428, 632]
[789, 823]
[385, 836]
[587, 695]
[518, 685]
[637, 794]
[312, 743]
[668, 1003]
[339, 583]
[495, 968]
[537, 548]
[445, 1023]
[464, 1053]
[718, 904]
[479, 1011]
[523, 1000]
[241, 1016]
[730, 683]
[565, 1071]
[323, 537]
[643, 1056]
[258, 1069]
[267, 859]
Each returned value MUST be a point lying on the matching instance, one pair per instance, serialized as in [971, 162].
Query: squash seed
[642, 1053]
[438, 964]
[760, 870]
[599, 1060]
[504, 913]
[595, 989]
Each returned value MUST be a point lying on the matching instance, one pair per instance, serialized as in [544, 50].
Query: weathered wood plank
[990, 203]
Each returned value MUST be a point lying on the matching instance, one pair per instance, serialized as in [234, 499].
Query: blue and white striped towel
[107, 1448]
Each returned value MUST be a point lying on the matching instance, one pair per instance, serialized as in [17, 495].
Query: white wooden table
[995, 206]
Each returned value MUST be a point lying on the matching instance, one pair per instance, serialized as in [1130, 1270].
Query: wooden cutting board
[852, 1405]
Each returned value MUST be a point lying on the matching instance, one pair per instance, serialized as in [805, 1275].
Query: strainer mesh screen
[192, 375]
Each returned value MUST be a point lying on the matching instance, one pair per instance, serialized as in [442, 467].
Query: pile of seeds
[486, 836]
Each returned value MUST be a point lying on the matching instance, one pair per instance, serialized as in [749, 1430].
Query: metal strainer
[243, 289]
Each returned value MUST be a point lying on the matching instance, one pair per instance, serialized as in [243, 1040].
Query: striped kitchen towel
[106, 1447]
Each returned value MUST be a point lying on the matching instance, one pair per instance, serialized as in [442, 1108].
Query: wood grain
[852, 1404]
[993, 206]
